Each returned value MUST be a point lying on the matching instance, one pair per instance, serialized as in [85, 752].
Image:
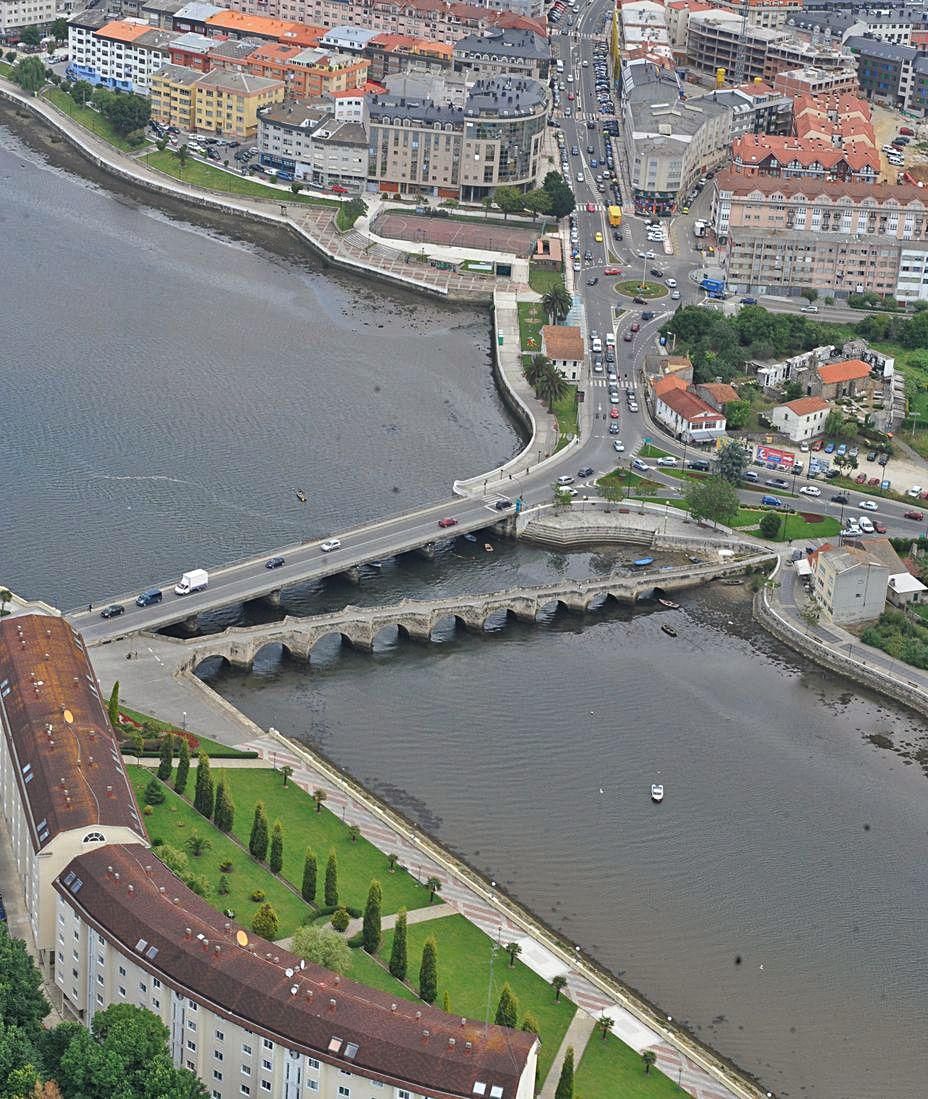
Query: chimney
[332, 1004]
[188, 934]
[451, 1043]
[467, 1047]
[131, 889]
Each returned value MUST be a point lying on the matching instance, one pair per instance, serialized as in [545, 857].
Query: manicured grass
[6, 69]
[633, 288]
[799, 527]
[609, 1069]
[621, 479]
[541, 280]
[175, 820]
[211, 747]
[198, 174]
[531, 321]
[464, 968]
[566, 412]
[651, 451]
[303, 827]
[368, 971]
[87, 117]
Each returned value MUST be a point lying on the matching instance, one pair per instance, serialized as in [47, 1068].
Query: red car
[613, 413]
[918, 516]
[612, 270]
[635, 326]
[818, 444]
[591, 207]
[447, 523]
[873, 482]
[880, 528]
[338, 189]
[861, 478]
[925, 494]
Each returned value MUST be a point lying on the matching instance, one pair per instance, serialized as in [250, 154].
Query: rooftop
[193, 42]
[177, 74]
[505, 43]
[754, 149]
[562, 342]
[814, 188]
[238, 83]
[58, 732]
[806, 406]
[124, 30]
[877, 47]
[720, 391]
[844, 371]
[197, 12]
[133, 900]
[668, 384]
[689, 407]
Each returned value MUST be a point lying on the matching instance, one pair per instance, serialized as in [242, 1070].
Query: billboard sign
[769, 455]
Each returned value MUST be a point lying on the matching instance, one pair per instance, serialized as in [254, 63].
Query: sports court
[518, 240]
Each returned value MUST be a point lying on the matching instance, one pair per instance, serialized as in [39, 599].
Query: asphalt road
[606, 311]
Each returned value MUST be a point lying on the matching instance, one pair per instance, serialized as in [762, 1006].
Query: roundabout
[634, 288]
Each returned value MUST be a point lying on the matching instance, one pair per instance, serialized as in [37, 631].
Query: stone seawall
[907, 693]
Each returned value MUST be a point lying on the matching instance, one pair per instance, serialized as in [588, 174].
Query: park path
[418, 915]
[576, 1037]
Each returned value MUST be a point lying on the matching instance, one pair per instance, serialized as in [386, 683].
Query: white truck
[699, 228]
[195, 580]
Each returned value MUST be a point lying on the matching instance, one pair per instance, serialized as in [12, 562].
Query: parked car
[749, 301]
[771, 501]
[666, 459]
[829, 447]
[839, 498]
[810, 490]
[586, 471]
[880, 528]
[868, 505]
[502, 503]
[113, 610]
[883, 460]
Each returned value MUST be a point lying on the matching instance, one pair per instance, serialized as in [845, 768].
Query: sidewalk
[576, 1038]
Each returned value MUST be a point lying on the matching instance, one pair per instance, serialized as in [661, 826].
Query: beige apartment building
[838, 238]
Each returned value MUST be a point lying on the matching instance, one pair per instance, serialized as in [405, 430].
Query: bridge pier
[272, 599]
[416, 629]
[352, 575]
[241, 659]
[427, 551]
[574, 601]
[190, 624]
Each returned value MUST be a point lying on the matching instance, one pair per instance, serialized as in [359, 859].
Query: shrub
[770, 524]
[154, 793]
[226, 866]
[258, 895]
[223, 888]
[340, 919]
[266, 922]
[147, 811]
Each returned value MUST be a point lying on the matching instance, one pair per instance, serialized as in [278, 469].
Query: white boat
[657, 791]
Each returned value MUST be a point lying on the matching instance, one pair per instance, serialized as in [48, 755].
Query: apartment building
[173, 96]
[227, 103]
[121, 54]
[884, 69]
[15, 15]
[669, 141]
[439, 20]
[840, 238]
[305, 139]
[235, 24]
[63, 789]
[503, 53]
[247, 1016]
[421, 146]
[399, 54]
[795, 157]
[849, 584]
[802, 419]
[756, 108]
[764, 13]
[813, 81]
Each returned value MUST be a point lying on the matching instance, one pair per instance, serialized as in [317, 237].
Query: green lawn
[634, 288]
[6, 69]
[175, 820]
[541, 280]
[625, 478]
[358, 862]
[463, 969]
[198, 174]
[368, 971]
[610, 1069]
[651, 451]
[86, 116]
[566, 412]
[531, 321]
[211, 747]
[798, 527]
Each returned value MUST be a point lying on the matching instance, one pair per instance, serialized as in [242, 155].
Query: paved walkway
[418, 915]
[578, 1034]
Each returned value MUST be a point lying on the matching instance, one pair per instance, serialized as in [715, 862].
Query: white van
[597, 345]
[865, 524]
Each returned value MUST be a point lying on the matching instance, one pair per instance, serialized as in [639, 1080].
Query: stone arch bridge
[359, 626]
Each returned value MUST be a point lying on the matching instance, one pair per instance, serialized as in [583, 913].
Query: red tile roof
[690, 408]
[805, 406]
[752, 150]
[720, 391]
[739, 184]
[667, 384]
[844, 371]
[562, 342]
[133, 900]
[64, 756]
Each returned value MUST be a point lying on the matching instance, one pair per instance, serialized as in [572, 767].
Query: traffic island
[633, 288]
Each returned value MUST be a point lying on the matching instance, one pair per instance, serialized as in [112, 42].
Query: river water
[166, 388]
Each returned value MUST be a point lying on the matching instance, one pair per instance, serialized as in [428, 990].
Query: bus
[615, 215]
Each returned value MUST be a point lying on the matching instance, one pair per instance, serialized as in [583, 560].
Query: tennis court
[518, 240]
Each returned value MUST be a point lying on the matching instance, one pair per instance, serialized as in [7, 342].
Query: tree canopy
[713, 498]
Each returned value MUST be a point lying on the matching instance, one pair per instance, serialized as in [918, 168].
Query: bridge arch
[209, 666]
[270, 656]
[327, 647]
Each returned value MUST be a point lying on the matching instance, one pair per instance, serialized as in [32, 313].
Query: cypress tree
[166, 766]
[224, 811]
[113, 705]
[331, 880]
[183, 766]
[507, 1010]
[257, 842]
[276, 860]
[428, 971]
[310, 871]
[565, 1083]
[398, 951]
[203, 794]
[372, 932]
[446, 1001]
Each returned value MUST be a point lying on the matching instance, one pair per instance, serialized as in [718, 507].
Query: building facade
[120, 55]
[503, 53]
[63, 789]
[228, 103]
[306, 140]
[801, 419]
[16, 15]
[849, 584]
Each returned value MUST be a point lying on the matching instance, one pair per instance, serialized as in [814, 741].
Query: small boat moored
[488, 547]
[669, 603]
[470, 537]
[657, 791]
[643, 562]
[669, 630]
[301, 495]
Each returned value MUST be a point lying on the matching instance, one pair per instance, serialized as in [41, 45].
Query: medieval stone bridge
[359, 626]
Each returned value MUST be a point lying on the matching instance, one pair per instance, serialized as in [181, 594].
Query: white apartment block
[17, 14]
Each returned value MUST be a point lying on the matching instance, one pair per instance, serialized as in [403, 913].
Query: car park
[448, 522]
[274, 562]
[330, 544]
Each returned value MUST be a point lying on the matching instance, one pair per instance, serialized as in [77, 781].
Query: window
[122, 991]
[245, 1089]
[268, 1044]
[265, 1064]
[246, 1070]
[342, 1090]
[217, 1075]
[191, 1045]
[192, 1065]
[94, 837]
[220, 1037]
[312, 1063]
[100, 998]
[265, 1085]
[122, 971]
[312, 1085]
[99, 977]
[191, 1025]
[217, 1054]
[401, 1094]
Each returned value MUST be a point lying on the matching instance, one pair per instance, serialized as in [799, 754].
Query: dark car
[617, 234]
[871, 456]
[700, 464]
[635, 326]
[113, 610]
[657, 272]
[592, 281]
[449, 522]
[640, 301]
[502, 504]
[587, 471]
[918, 516]
[749, 301]
[648, 314]
[777, 482]
[883, 459]
[839, 498]
[274, 562]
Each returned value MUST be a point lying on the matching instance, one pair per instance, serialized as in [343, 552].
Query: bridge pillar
[190, 624]
[427, 551]
[240, 658]
[352, 575]
[272, 598]
[574, 601]
[416, 629]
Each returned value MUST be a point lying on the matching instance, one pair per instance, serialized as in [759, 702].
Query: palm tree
[538, 365]
[286, 771]
[197, 844]
[513, 950]
[5, 597]
[556, 303]
[558, 983]
[319, 797]
[353, 833]
[182, 154]
[551, 387]
[648, 1057]
[605, 1024]
[433, 885]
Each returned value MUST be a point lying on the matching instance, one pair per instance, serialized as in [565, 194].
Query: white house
[563, 344]
[801, 419]
[683, 413]
[849, 584]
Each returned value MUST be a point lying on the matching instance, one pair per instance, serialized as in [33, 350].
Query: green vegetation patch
[609, 1069]
[531, 321]
[86, 116]
[542, 280]
[358, 861]
[211, 747]
[651, 451]
[464, 972]
[174, 821]
[799, 526]
[633, 288]
[899, 637]
[565, 410]
[198, 174]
